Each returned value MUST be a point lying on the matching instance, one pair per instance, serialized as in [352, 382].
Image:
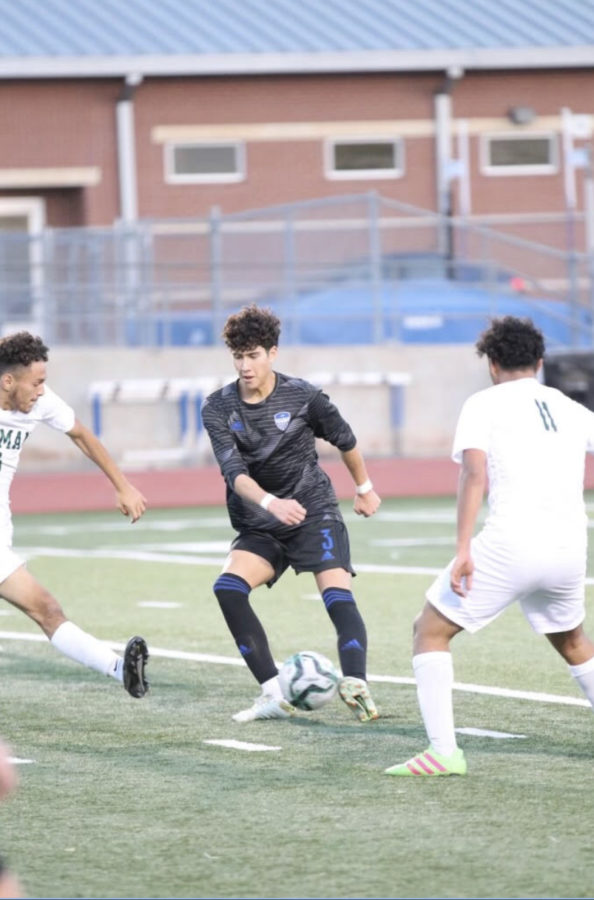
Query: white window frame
[547, 169]
[173, 177]
[32, 209]
[357, 174]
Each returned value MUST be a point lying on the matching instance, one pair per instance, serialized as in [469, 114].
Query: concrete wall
[441, 378]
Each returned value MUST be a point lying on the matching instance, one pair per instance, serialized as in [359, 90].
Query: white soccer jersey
[15, 428]
[535, 439]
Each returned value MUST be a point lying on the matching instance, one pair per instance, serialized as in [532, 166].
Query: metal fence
[346, 269]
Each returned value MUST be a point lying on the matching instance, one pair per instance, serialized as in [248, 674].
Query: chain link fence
[350, 269]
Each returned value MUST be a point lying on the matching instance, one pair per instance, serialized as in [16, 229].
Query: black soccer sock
[233, 592]
[350, 628]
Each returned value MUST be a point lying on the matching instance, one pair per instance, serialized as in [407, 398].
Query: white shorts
[547, 581]
[9, 563]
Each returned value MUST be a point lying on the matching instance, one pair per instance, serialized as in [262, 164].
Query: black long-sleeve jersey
[274, 443]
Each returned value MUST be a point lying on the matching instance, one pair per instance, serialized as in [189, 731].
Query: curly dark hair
[512, 343]
[251, 327]
[21, 349]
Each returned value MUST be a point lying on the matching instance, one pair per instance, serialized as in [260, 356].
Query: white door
[22, 220]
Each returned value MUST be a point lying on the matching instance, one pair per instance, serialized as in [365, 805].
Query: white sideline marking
[414, 542]
[435, 517]
[536, 696]
[397, 570]
[113, 553]
[485, 732]
[423, 516]
[158, 604]
[187, 560]
[19, 762]
[191, 547]
[242, 745]
[109, 527]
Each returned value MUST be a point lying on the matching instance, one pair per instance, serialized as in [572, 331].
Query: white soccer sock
[584, 675]
[434, 673]
[272, 688]
[72, 641]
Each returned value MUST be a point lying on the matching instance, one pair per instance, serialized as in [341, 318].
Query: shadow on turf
[70, 678]
[535, 745]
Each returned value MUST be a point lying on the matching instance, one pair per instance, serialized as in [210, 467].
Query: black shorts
[317, 545]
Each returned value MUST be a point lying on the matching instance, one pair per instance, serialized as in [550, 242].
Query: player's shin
[72, 641]
[584, 675]
[232, 592]
[434, 673]
[350, 629]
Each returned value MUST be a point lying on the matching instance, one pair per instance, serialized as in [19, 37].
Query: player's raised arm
[129, 499]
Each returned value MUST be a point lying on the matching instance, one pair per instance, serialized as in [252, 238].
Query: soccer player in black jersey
[263, 428]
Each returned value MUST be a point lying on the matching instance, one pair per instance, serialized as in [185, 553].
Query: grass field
[130, 799]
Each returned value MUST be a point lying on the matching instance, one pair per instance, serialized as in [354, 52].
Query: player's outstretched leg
[431, 763]
[135, 659]
[355, 693]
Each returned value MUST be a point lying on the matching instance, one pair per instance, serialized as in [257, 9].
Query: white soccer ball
[308, 679]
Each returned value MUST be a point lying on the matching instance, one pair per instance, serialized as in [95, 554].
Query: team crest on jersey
[281, 420]
[235, 423]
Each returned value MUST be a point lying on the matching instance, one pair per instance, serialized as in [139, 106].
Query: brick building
[117, 111]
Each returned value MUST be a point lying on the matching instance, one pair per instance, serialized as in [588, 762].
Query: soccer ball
[308, 679]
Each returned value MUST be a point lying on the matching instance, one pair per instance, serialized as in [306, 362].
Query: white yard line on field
[25, 527]
[414, 542]
[241, 745]
[486, 732]
[115, 553]
[159, 604]
[189, 560]
[535, 696]
[424, 516]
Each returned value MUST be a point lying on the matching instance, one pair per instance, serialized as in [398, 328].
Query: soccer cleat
[355, 693]
[266, 707]
[135, 659]
[431, 763]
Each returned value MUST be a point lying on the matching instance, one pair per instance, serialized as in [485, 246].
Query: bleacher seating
[189, 394]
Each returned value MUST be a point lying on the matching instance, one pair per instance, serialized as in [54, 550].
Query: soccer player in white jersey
[263, 429]
[528, 442]
[25, 402]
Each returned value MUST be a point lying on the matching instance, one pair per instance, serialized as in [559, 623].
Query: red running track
[78, 491]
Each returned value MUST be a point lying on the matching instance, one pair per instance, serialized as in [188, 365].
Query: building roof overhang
[304, 63]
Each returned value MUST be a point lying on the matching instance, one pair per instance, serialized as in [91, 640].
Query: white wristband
[267, 500]
[365, 487]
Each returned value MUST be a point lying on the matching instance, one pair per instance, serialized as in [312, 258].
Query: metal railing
[359, 265]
